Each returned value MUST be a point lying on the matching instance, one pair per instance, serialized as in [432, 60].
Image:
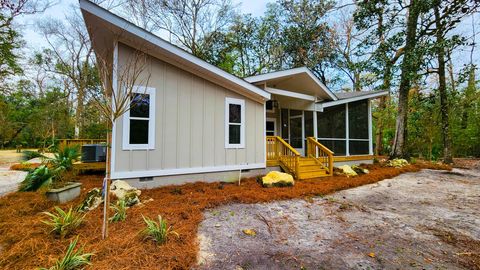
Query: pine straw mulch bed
[25, 242]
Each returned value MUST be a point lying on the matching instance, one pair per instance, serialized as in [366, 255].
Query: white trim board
[290, 72]
[240, 102]
[291, 94]
[181, 171]
[162, 44]
[320, 106]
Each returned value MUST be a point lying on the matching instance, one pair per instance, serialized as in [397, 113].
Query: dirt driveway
[424, 220]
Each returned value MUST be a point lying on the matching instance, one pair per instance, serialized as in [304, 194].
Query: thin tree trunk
[442, 89]
[409, 69]
[107, 180]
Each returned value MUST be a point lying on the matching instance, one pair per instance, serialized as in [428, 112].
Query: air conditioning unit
[94, 153]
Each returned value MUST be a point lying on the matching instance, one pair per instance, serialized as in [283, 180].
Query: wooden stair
[310, 168]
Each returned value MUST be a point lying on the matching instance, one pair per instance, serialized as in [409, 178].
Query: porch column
[347, 138]
[315, 132]
[370, 137]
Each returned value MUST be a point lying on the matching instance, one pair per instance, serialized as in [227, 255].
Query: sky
[35, 41]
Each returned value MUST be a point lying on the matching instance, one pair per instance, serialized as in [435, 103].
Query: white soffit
[322, 105]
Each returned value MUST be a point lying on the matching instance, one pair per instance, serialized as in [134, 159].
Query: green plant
[72, 259]
[120, 211]
[65, 157]
[39, 177]
[63, 223]
[28, 154]
[158, 232]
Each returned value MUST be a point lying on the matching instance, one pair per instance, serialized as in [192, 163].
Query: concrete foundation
[64, 194]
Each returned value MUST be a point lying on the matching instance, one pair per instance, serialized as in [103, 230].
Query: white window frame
[274, 120]
[273, 107]
[240, 102]
[151, 122]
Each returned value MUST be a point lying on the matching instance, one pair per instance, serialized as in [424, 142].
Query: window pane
[331, 122]
[235, 115]
[337, 146]
[270, 125]
[308, 119]
[138, 131]
[358, 148]
[269, 105]
[358, 120]
[234, 134]
[140, 105]
[270, 133]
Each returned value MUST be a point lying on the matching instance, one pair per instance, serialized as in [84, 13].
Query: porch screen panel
[358, 127]
[284, 127]
[331, 129]
[308, 127]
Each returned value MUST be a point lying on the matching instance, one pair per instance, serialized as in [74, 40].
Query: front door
[296, 130]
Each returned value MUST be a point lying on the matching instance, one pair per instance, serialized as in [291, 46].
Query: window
[270, 127]
[358, 128]
[234, 123]
[138, 121]
[269, 106]
[331, 129]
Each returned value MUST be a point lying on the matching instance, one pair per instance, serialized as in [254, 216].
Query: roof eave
[241, 86]
[377, 94]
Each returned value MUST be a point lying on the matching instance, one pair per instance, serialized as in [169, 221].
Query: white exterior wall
[189, 128]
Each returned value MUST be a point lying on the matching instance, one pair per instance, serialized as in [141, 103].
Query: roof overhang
[300, 80]
[321, 105]
[106, 28]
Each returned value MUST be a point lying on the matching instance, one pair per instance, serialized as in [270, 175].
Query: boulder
[347, 170]
[397, 163]
[92, 200]
[121, 188]
[277, 179]
[359, 170]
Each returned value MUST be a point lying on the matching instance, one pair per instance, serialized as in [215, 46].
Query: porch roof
[346, 97]
[299, 80]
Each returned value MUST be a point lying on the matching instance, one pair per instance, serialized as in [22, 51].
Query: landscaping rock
[92, 200]
[397, 163]
[277, 179]
[347, 170]
[121, 188]
[359, 170]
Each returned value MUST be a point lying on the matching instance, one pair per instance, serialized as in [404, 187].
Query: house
[196, 122]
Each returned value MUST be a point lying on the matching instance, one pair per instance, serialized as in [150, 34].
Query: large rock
[92, 200]
[123, 191]
[347, 170]
[359, 170]
[397, 163]
[277, 179]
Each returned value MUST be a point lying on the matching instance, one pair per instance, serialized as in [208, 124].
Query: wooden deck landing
[97, 166]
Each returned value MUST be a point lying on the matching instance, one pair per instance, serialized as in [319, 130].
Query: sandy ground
[424, 220]
[9, 180]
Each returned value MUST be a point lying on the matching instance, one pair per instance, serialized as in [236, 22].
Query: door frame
[302, 117]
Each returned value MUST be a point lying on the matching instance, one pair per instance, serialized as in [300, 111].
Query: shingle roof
[345, 95]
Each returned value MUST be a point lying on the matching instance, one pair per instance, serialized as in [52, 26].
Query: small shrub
[158, 232]
[28, 154]
[38, 178]
[65, 157]
[72, 259]
[64, 223]
[120, 211]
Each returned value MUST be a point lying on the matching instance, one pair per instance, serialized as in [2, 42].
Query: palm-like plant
[72, 259]
[38, 178]
[158, 232]
[65, 157]
[63, 223]
[120, 211]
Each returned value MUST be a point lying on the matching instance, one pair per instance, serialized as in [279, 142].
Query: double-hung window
[139, 120]
[234, 123]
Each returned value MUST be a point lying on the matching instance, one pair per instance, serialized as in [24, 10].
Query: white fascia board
[290, 72]
[320, 106]
[291, 94]
[159, 42]
[181, 171]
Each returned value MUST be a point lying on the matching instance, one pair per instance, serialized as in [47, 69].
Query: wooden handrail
[321, 153]
[66, 142]
[279, 150]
